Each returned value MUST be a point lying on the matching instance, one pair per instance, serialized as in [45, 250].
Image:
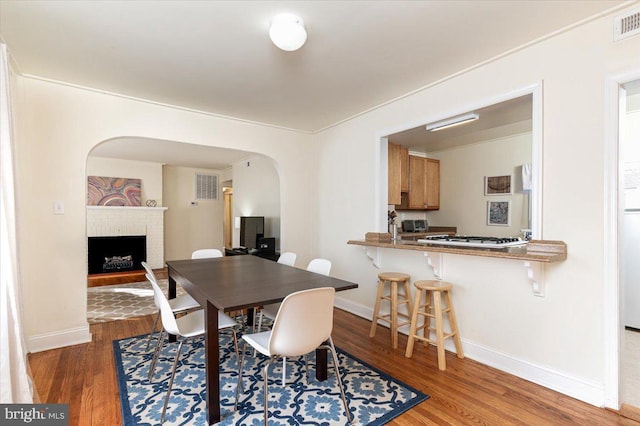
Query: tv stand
[236, 251]
[243, 251]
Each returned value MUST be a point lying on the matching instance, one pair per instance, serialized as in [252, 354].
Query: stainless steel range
[470, 241]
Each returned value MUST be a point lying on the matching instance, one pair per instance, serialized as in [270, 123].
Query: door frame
[227, 221]
[614, 92]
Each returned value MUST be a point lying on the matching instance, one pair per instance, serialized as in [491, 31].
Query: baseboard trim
[575, 387]
[630, 412]
[59, 339]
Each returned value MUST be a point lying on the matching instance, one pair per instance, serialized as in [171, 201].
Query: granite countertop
[544, 251]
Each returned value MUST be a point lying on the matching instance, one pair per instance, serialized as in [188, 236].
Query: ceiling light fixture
[287, 32]
[453, 121]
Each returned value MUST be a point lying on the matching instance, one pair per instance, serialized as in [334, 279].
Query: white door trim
[612, 215]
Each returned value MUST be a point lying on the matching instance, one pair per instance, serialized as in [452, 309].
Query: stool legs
[437, 306]
[414, 324]
[454, 326]
[394, 302]
[376, 310]
[394, 315]
[433, 308]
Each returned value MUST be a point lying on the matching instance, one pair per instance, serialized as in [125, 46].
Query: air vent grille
[206, 187]
[626, 25]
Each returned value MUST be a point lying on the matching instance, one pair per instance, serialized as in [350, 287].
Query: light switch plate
[58, 207]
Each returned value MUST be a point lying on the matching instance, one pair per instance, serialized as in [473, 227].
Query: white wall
[256, 192]
[462, 171]
[57, 127]
[556, 340]
[149, 173]
[190, 227]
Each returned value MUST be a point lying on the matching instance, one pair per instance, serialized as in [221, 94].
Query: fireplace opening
[116, 254]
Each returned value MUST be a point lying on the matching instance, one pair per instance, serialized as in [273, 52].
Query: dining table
[234, 283]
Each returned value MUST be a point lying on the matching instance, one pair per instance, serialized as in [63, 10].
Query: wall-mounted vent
[206, 187]
[626, 25]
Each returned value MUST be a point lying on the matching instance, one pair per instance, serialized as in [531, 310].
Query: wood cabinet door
[394, 174]
[404, 169]
[417, 174]
[432, 184]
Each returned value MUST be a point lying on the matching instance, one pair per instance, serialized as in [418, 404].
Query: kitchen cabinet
[395, 171]
[404, 169]
[432, 184]
[424, 185]
[413, 182]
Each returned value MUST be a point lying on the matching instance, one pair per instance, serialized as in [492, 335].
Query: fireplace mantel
[125, 208]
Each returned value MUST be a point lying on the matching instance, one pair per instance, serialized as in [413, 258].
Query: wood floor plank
[85, 411]
[466, 393]
[41, 367]
[463, 384]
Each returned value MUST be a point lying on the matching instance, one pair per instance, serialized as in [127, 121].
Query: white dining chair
[206, 254]
[303, 324]
[179, 305]
[287, 258]
[319, 266]
[186, 327]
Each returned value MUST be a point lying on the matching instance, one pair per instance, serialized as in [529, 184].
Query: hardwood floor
[466, 393]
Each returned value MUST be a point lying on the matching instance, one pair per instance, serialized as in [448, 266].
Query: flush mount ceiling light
[453, 121]
[287, 32]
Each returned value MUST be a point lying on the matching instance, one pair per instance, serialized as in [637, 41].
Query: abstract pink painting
[109, 191]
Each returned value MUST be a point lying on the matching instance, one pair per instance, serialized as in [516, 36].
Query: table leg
[321, 364]
[172, 295]
[251, 313]
[212, 357]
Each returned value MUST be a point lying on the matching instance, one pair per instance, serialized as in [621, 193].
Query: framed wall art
[497, 185]
[110, 191]
[498, 213]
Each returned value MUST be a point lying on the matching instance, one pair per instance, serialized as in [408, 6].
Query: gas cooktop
[469, 241]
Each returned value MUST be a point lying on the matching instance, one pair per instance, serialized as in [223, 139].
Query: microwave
[415, 225]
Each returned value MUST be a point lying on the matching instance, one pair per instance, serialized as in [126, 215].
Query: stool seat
[434, 291]
[433, 285]
[394, 276]
[395, 299]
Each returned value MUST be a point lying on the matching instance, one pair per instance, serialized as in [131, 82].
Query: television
[251, 230]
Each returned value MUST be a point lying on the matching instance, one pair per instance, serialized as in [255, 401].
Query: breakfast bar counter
[534, 254]
[545, 251]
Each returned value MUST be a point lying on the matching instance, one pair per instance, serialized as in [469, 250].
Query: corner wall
[190, 227]
[462, 172]
[256, 192]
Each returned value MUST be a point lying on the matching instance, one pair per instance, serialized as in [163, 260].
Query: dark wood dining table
[233, 283]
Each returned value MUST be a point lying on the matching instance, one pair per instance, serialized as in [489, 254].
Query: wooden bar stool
[393, 278]
[433, 290]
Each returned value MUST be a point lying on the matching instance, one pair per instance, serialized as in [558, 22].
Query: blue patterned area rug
[374, 397]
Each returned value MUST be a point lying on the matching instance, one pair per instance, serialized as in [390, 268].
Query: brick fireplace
[116, 221]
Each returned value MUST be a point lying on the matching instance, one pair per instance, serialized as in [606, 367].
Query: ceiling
[216, 56]
[500, 120]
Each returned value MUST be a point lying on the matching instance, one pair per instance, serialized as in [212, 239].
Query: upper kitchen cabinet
[418, 187]
[395, 172]
[398, 172]
[404, 169]
[424, 183]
